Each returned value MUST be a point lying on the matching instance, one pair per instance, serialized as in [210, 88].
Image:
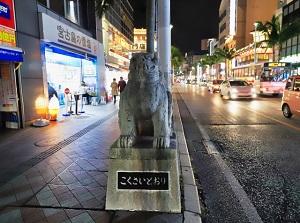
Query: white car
[214, 85]
[237, 89]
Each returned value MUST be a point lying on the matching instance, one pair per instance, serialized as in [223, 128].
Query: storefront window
[66, 70]
[63, 71]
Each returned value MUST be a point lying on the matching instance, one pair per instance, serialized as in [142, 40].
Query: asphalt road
[253, 172]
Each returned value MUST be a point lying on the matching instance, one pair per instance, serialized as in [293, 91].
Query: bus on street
[271, 79]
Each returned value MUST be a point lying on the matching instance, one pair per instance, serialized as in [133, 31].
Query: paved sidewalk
[58, 173]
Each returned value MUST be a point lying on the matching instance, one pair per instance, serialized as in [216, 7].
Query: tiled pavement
[58, 173]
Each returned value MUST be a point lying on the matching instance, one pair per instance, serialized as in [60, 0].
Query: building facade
[237, 29]
[59, 43]
[250, 59]
[291, 49]
[140, 41]
[118, 38]
[237, 18]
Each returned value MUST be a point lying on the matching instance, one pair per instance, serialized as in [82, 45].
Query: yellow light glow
[40, 105]
[53, 108]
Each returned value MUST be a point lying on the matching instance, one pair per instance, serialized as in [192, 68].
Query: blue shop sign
[4, 10]
[11, 55]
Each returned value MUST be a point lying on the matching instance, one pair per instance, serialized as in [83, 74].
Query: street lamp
[255, 56]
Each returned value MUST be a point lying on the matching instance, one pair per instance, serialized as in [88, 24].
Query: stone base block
[143, 179]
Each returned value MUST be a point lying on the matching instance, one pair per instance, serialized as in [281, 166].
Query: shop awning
[56, 48]
[8, 53]
[113, 66]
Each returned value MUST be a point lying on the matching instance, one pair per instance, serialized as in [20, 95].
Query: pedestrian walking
[114, 89]
[121, 85]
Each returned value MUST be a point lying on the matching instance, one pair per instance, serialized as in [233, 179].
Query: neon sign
[277, 64]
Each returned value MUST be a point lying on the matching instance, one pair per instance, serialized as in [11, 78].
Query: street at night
[254, 171]
[149, 111]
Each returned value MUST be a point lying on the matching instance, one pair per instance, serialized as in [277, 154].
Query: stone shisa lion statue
[145, 100]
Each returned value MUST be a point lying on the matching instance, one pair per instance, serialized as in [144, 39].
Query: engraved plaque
[143, 180]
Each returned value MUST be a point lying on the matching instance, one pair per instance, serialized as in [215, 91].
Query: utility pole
[164, 39]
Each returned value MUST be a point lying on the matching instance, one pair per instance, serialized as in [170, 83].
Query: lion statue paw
[126, 141]
[161, 142]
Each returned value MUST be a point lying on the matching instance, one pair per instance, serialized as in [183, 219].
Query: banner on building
[7, 14]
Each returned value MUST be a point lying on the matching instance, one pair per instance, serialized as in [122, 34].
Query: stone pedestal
[143, 178]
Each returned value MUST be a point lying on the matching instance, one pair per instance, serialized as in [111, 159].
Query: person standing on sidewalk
[51, 91]
[84, 91]
[114, 89]
[121, 85]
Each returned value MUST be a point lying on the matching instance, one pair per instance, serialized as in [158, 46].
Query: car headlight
[233, 90]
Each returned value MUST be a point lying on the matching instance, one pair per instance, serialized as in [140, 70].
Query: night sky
[192, 21]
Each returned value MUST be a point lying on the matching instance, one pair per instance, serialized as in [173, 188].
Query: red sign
[67, 91]
[7, 14]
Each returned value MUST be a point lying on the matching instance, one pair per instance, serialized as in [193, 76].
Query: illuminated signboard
[58, 32]
[7, 14]
[7, 36]
[277, 64]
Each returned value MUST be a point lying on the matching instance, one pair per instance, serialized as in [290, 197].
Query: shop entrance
[66, 69]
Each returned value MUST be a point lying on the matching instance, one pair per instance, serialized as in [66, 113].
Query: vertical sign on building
[8, 101]
[7, 23]
[7, 14]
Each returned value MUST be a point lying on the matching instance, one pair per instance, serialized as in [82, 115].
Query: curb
[192, 209]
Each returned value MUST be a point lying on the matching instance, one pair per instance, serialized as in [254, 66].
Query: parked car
[290, 102]
[237, 89]
[214, 85]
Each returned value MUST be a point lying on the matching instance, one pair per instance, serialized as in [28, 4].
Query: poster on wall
[89, 74]
[8, 95]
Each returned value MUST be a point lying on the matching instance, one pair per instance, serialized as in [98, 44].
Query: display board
[8, 94]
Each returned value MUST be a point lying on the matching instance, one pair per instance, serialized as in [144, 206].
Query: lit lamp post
[255, 56]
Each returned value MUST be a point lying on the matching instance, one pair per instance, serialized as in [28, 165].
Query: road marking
[239, 192]
[210, 147]
[274, 119]
[203, 132]
[237, 189]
